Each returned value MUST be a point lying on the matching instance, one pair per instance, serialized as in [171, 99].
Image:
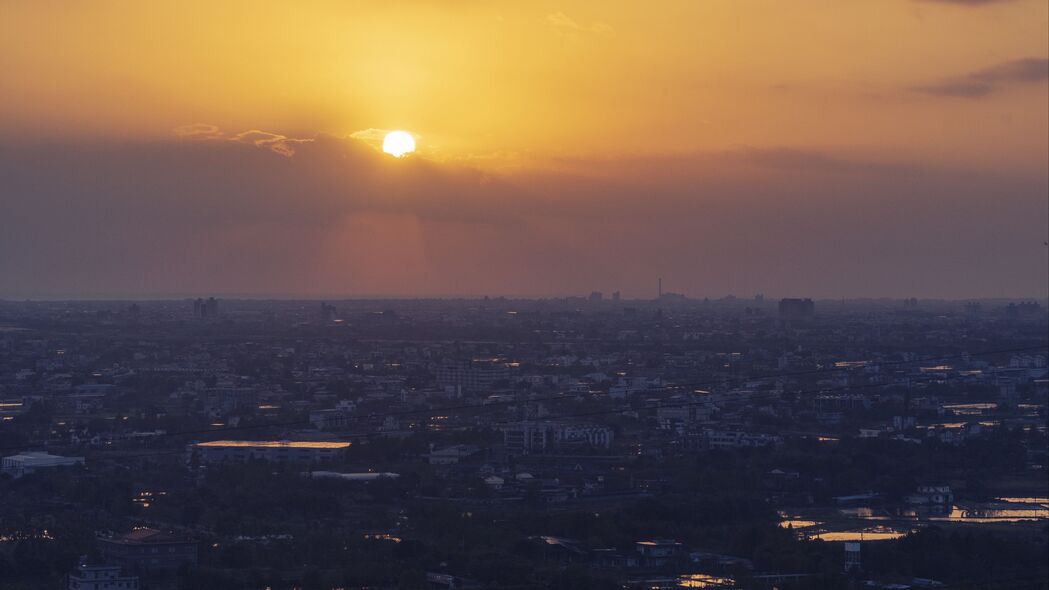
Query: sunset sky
[839, 148]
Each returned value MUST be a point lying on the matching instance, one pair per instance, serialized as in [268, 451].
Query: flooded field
[867, 523]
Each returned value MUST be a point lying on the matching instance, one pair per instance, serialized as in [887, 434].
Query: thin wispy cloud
[274, 142]
[986, 81]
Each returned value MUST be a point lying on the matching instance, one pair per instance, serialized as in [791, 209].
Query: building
[852, 556]
[330, 419]
[29, 462]
[659, 552]
[100, 577]
[216, 451]
[328, 313]
[685, 409]
[932, 495]
[584, 435]
[734, 439]
[538, 437]
[148, 550]
[451, 455]
[474, 375]
[524, 438]
[795, 309]
[206, 308]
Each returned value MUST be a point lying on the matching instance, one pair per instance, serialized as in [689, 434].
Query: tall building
[793, 309]
[205, 308]
[328, 313]
[212, 307]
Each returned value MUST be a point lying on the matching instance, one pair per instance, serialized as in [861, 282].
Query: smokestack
[660, 287]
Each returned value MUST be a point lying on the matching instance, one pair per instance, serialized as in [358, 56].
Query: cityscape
[580, 442]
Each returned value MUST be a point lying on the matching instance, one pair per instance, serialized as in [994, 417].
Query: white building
[26, 463]
[100, 577]
[538, 437]
[732, 439]
[936, 495]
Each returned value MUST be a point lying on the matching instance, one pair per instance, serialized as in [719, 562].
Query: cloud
[237, 216]
[372, 136]
[984, 82]
[275, 142]
[280, 144]
[568, 27]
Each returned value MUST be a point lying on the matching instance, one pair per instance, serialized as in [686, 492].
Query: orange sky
[551, 102]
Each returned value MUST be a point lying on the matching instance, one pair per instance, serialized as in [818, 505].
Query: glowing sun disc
[398, 143]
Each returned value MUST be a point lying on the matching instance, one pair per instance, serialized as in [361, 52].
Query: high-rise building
[328, 312]
[212, 307]
[792, 309]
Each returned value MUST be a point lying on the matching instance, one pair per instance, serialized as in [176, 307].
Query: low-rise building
[538, 437]
[148, 550]
[932, 495]
[100, 577]
[451, 455]
[659, 552]
[29, 462]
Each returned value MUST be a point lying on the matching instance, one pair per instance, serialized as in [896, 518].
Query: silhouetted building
[212, 307]
[328, 312]
[791, 309]
[205, 308]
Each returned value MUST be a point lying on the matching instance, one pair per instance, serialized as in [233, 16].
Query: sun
[398, 143]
